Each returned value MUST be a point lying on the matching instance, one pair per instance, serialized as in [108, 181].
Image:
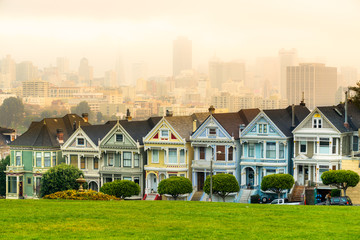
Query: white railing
[15, 168]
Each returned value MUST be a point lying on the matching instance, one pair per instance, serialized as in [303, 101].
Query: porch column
[17, 186]
[112, 177]
[34, 184]
[317, 172]
[256, 176]
[309, 173]
[7, 184]
[78, 158]
[264, 149]
[295, 169]
[132, 159]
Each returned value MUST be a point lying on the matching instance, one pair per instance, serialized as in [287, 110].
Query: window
[355, 143]
[262, 128]
[281, 150]
[302, 146]
[127, 178]
[54, 159]
[164, 133]
[155, 156]
[270, 171]
[281, 170]
[82, 162]
[251, 152]
[111, 159]
[317, 121]
[270, 150]
[202, 153]
[261, 150]
[212, 131]
[47, 159]
[172, 174]
[182, 156]
[324, 145]
[96, 163]
[172, 155]
[18, 158]
[80, 142]
[182, 175]
[119, 138]
[334, 143]
[127, 159]
[220, 156]
[230, 153]
[136, 160]
[38, 159]
[29, 180]
[137, 180]
[12, 185]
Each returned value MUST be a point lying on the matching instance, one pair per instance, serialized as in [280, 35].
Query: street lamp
[211, 173]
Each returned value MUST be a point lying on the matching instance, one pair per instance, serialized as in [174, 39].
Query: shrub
[175, 186]
[121, 188]
[86, 195]
[3, 163]
[277, 183]
[59, 178]
[342, 179]
[223, 185]
[255, 198]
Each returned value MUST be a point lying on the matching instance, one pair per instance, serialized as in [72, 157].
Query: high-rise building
[314, 82]
[62, 64]
[139, 71]
[110, 79]
[26, 71]
[221, 72]
[182, 55]
[85, 72]
[35, 88]
[286, 58]
[7, 72]
[348, 76]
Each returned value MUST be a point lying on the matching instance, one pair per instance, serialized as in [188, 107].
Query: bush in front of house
[335, 192]
[223, 184]
[60, 178]
[175, 186]
[342, 179]
[76, 195]
[121, 188]
[277, 183]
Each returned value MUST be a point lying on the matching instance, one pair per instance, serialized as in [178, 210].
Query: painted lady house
[217, 147]
[35, 151]
[168, 149]
[267, 147]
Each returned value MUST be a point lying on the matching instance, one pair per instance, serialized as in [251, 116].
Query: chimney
[128, 115]
[211, 109]
[169, 113]
[85, 116]
[346, 124]
[60, 135]
[302, 103]
[194, 125]
[293, 115]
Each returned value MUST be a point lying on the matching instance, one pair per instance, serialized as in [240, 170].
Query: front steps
[245, 196]
[197, 196]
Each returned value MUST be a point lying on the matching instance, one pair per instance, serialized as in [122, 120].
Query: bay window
[47, 159]
[38, 159]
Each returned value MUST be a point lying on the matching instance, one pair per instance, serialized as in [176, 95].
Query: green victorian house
[35, 151]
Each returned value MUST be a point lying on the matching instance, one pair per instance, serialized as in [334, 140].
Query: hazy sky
[41, 30]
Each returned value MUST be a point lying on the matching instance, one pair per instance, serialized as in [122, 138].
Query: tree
[356, 98]
[121, 188]
[82, 107]
[12, 110]
[175, 186]
[3, 163]
[342, 179]
[223, 185]
[99, 117]
[277, 183]
[59, 178]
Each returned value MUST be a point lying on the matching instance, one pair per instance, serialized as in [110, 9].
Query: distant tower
[120, 73]
[286, 58]
[85, 72]
[62, 64]
[182, 55]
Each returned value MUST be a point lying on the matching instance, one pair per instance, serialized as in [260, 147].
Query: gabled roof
[97, 132]
[136, 129]
[183, 125]
[44, 133]
[232, 121]
[282, 118]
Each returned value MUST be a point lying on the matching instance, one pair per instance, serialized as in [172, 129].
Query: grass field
[53, 219]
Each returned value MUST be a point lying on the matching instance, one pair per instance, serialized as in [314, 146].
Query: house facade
[35, 151]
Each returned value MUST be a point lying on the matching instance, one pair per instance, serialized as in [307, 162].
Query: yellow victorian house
[169, 149]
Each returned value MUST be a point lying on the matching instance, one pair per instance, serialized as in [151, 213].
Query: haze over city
[39, 31]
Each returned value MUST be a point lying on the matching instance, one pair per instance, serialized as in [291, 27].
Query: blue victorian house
[267, 147]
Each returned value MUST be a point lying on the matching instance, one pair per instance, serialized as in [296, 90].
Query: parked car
[345, 200]
[284, 201]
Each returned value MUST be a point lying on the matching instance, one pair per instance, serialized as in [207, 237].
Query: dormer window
[164, 133]
[317, 121]
[80, 142]
[262, 128]
[119, 138]
[212, 131]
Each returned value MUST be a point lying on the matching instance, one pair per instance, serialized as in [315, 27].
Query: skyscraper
[317, 82]
[62, 64]
[182, 55]
[286, 58]
[85, 72]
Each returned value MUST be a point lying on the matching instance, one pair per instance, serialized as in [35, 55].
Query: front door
[200, 181]
[249, 177]
[20, 189]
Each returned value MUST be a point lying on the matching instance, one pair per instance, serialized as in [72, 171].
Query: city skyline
[144, 32]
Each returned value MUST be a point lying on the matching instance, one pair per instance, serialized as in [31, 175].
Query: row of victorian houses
[248, 144]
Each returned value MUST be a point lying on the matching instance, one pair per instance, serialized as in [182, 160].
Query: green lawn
[44, 219]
